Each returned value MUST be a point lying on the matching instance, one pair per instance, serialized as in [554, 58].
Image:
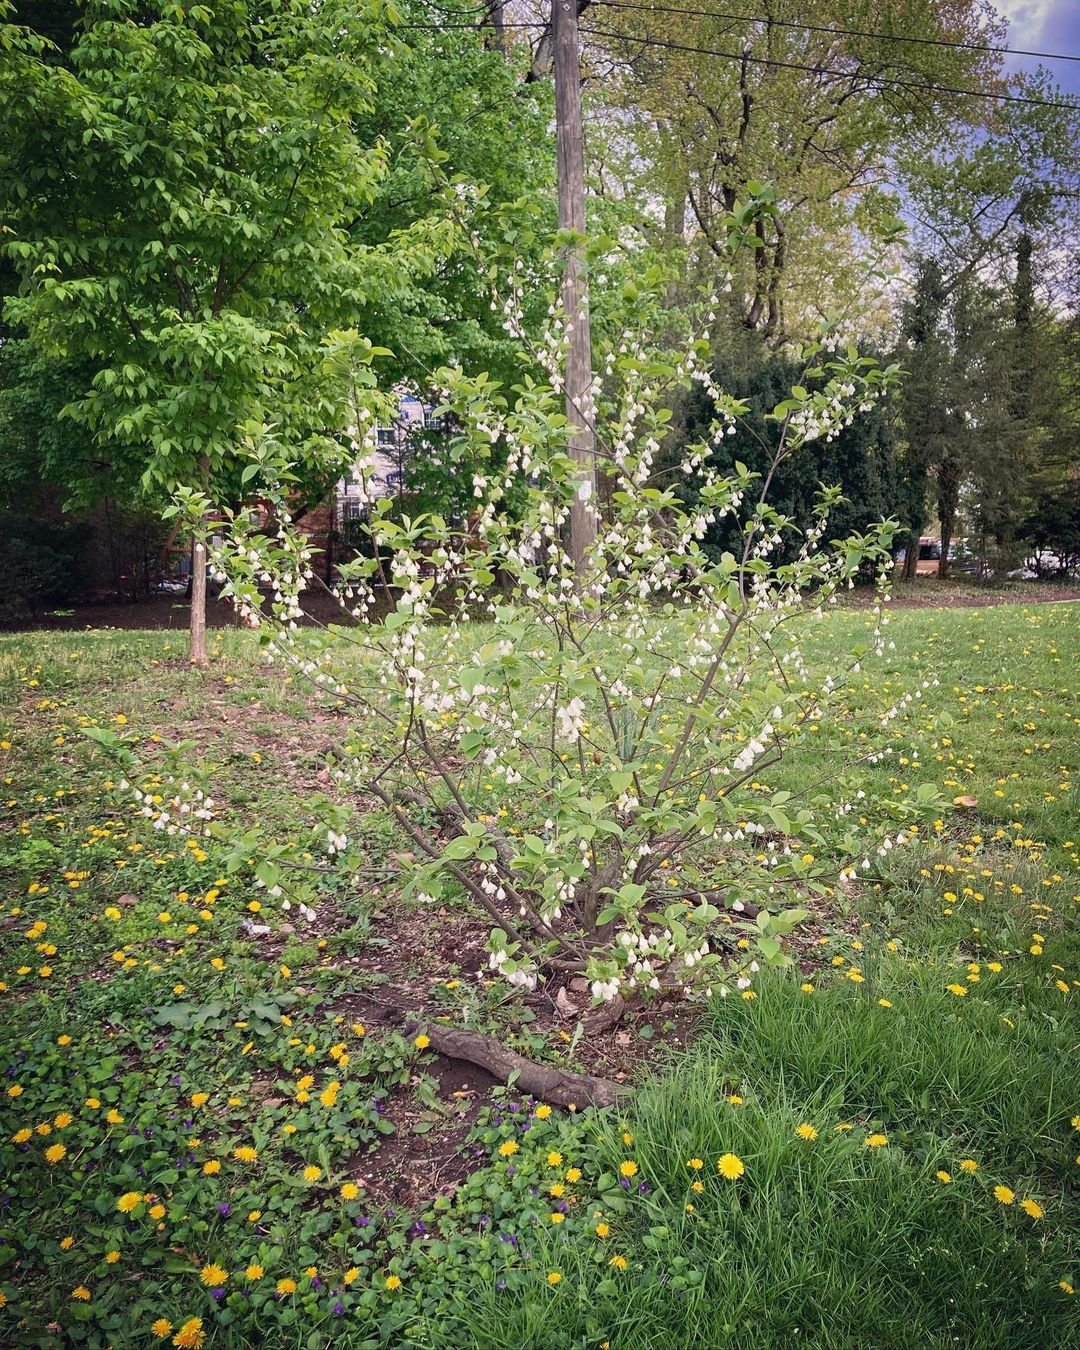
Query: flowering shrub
[581, 765]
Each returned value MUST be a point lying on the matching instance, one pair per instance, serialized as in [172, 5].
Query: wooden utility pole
[197, 629]
[575, 292]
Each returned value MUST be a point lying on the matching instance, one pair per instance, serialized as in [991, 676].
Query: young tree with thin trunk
[181, 198]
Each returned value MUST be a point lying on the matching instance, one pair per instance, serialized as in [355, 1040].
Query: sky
[1046, 25]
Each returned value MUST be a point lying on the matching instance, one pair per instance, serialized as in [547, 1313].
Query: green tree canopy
[195, 198]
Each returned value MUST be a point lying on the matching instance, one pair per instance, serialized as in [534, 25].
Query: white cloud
[1027, 18]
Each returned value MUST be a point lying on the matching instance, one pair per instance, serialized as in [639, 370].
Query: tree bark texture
[556, 1086]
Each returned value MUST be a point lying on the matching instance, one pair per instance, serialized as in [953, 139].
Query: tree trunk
[946, 544]
[948, 495]
[911, 557]
[497, 19]
[197, 630]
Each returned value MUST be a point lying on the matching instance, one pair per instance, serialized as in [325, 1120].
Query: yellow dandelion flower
[619, 1262]
[876, 1141]
[191, 1335]
[1003, 1195]
[628, 1168]
[161, 1327]
[1032, 1209]
[54, 1154]
[695, 1164]
[806, 1131]
[554, 1276]
[254, 1272]
[730, 1166]
[944, 1177]
[81, 1293]
[508, 1148]
[968, 1165]
[542, 1112]
[554, 1159]
[128, 1201]
[286, 1286]
[213, 1275]
[393, 1282]
[311, 1173]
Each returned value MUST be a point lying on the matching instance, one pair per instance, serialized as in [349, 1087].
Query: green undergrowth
[186, 1112]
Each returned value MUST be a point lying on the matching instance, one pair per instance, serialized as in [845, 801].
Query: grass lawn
[210, 1136]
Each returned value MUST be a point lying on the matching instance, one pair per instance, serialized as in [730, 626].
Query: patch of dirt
[168, 612]
[402, 980]
[426, 1156]
[171, 612]
[964, 593]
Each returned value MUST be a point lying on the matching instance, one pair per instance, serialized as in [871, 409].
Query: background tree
[862, 457]
[707, 102]
[452, 112]
[194, 204]
[1051, 502]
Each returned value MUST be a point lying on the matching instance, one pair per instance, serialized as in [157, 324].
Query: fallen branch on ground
[556, 1086]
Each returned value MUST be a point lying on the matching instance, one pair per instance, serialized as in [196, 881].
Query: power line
[840, 32]
[474, 27]
[881, 81]
[460, 11]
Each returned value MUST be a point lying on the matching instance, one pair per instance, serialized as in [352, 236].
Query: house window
[387, 436]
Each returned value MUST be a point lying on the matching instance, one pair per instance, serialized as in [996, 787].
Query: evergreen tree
[863, 458]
